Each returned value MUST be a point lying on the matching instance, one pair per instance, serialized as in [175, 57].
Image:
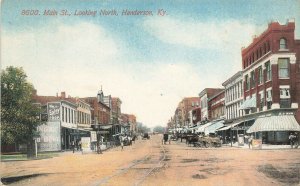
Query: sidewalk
[264, 146]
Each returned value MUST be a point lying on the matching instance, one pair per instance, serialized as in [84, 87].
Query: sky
[150, 62]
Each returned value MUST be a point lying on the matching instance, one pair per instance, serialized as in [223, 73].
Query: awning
[202, 127]
[212, 128]
[275, 123]
[249, 103]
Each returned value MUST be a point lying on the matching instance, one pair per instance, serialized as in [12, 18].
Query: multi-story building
[182, 113]
[234, 96]
[116, 114]
[132, 121]
[216, 106]
[271, 78]
[205, 95]
[67, 119]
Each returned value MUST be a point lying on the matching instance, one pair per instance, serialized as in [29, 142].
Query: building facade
[205, 95]
[234, 96]
[216, 106]
[271, 82]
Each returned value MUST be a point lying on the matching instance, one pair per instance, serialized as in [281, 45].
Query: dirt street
[148, 162]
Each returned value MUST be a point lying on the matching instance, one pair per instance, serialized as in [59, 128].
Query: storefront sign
[93, 136]
[241, 139]
[86, 144]
[53, 111]
[256, 144]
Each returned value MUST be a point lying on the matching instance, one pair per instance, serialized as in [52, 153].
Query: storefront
[275, 127]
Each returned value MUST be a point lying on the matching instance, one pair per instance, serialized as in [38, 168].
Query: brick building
[205, 95]
[67, 119]
[271, 79]
[116, 113]
[216, 106]
[182, 113]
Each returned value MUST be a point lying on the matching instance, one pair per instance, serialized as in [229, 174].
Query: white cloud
[201, 35]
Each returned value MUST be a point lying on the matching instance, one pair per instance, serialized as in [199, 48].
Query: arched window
[282, 43]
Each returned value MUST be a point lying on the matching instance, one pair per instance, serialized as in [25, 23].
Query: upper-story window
[283, 68]
[247, 82]
[252, 82]
[260, 75]
[268, 70]
[282, 43]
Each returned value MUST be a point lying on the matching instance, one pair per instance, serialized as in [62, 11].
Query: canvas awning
[275, 123]
[228, 126]
[249, 103]
[202, 127]
[212, 128]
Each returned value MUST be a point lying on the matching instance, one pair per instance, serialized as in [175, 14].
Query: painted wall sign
[53, 111]
[49, 137]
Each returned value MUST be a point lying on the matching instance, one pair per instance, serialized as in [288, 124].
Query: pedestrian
[250, 141]
[79, 145]
[99, 151]
[73, 146]
[121, 142]
[292, 138]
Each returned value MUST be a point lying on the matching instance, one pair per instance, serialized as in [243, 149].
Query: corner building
[271, 80]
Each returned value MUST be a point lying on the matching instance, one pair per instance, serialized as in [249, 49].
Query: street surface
[148, 162]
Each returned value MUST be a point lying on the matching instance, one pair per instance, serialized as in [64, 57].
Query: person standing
[122, 142]
[250, 141]
[291, 138]
[73, 146]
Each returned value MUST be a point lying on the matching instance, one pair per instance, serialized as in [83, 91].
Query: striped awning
[275, 123]
[249, 103]
[212, 128]
[228, 126]
[202, 127]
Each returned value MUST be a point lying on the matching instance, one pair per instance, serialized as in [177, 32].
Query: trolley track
[152, 161]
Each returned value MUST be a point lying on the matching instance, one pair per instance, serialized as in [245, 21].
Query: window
[261, 103]
[282, 43]
[285, 103]
[269, 99]
[283, 68]
[260, 75]
[63, 113]
[265, 48]
[252, 82]
[285, 98]
[247, 82]
[268, 70]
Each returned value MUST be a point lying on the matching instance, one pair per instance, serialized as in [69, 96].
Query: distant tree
[141, 128]
[159, 129]
[19, 116]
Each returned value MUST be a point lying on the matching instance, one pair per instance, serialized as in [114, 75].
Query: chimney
[63, 94]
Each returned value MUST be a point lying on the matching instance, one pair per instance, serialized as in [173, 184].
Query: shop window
[282, 43]
[268, 70]
[283, 68]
